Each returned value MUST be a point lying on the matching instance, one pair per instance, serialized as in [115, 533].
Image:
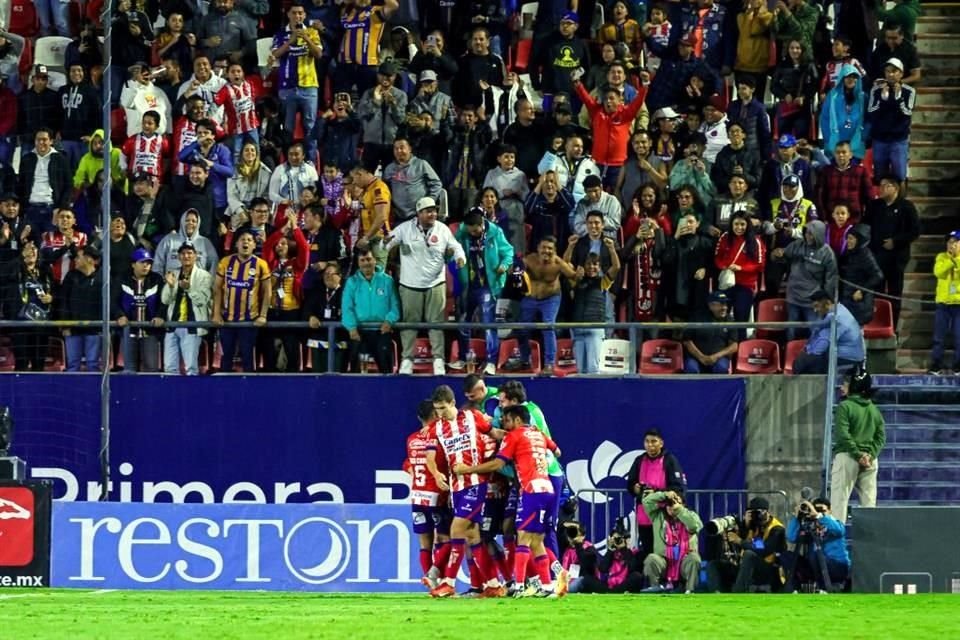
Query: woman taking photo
[286, 252]
[29, 286]
[644, 232]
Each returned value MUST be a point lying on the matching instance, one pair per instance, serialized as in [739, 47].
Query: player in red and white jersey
[147, 151]
[429, 503]
[460, 438]
[526, 448]
[239, 107]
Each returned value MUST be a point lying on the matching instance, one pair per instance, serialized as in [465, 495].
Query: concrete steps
[935, 10]
[938, 217]
[931, 24]
[930, 95]
[934, 43]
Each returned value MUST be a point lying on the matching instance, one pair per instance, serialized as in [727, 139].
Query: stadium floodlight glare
[6, 431]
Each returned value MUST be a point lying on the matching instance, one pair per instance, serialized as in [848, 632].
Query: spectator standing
[286, 253]
[591, 299]
[903, 13]
[132, 35]
[844, 114]
[226, 31]
[596, 199]
[37, 108]
[510, 183]
[544, 269]
[136, 298]
[842, 181]
[11, 50]
[894, 226]
[147, 151]
[889, 113]
[369, 297]
[816, 354]
[714, 128]
[643, 167]
[80, 102]
[946, 318]
[795, 20]
[430, 99]
[382, 110]
[167, 255]
[712, 32]
[8, 122]
[556, 57]
[688, 257]
[709, 350]
[526, 135]
[645, 229]
[372, 204]
[841, 57]
[738, 201]
[753, 47]
[187, 294]
[743, 253]
[813, 267]
[45, 181]
[859, 435]
[488, 259]
[571, 166]
[433, 57]
[173, 42]
[251, 179]
[140, 96]
[751, 113]
[736, 159]
[894, 45]
[289, 179]
[27, 295]
[677, 67]
[363, 24]
[477, 71]
[324, 303]
[338, 132]
[81, 299]
[297, 48]
[216, 158]
[860, 274]
[237, 99]
[547, 210]
[794, 86]
[241, 293]
[410, 179]
[464, 171]
[786, 162]
[195, 195]
[424, 245]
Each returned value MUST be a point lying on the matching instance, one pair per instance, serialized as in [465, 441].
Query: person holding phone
[297, 48]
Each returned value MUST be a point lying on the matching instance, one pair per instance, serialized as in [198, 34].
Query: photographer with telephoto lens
[675, 557]
[751, 561]
[580, 560]
[819, 549]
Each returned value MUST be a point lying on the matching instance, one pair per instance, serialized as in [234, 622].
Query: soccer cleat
[490, 369]
[563, 583]
[406, 367]
[457, 365]
[545, 593]
[432, 579]
[514, 590]
[494, 592]
[532, 590]
[444, 591]
[439, 369]
[473, 592]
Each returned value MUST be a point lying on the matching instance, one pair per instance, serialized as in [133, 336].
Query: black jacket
[897, 221]
[61, 180]
[471, 70]
[859, 271]
[727, 159]
[35, 110]
[673, 477]
[477, 141]
[682, 259]
[17, 287]
[192, 197]
[530, 141]
[81, 298]
[80, 105]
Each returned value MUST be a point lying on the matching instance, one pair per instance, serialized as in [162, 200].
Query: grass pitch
[76, 615]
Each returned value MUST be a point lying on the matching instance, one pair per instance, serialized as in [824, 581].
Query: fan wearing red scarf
[675, 559]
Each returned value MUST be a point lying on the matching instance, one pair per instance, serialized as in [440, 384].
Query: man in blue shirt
[817, 535]
[816, 353]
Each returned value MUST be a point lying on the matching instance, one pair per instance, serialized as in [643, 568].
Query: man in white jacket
[424, 245]
[187, 294]
[140, 95]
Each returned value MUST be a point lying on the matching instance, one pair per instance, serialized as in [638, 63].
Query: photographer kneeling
[580, 561]
[619, 564]
[675, 557]
[819, 548]
[752, 559]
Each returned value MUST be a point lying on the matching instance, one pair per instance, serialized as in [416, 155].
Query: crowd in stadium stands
[403, 160]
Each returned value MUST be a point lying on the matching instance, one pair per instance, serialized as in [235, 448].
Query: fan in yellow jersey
[363, 26]
[241, 294]
[371, 198]
[296, 47]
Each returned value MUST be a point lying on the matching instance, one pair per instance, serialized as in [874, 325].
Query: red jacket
[8, 112]
[611, 131]
[750, 268]
[298, 264]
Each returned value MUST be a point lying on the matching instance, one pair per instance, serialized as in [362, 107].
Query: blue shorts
[431, 520]
[533, 514]
[468, 503]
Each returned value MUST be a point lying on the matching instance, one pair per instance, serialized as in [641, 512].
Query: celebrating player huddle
[464, 492]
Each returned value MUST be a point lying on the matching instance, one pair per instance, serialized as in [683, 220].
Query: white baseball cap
[426, 202]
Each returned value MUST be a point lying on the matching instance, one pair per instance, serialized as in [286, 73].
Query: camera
[722, 524]
[804, 512]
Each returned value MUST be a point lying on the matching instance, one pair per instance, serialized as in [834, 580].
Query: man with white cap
[430, 98]
[889, 112]
[424, 245]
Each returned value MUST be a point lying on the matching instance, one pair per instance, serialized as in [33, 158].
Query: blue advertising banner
[289, 439]
[328, 547]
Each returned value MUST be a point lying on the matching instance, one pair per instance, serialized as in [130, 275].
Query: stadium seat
[661, 357]
[510, 350]
[423, 356]
[56, 355]
[881, 326]
[772, 310]
[758, 356]
[479, 347]
[118, 126]
[51, 51]
[23, 20]
[615, 357]
[7, 362]
[794, 348]
[566, 364]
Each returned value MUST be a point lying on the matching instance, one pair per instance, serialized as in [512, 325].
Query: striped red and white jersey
[62, 265]
[239, 107]
[463, 440]
[424, 490]
[184, 134]
[142, 154]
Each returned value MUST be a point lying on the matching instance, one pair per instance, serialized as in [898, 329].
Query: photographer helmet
[860, 382]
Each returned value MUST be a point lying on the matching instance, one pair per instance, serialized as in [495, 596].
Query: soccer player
[477, 393]
[461, 437]
[526, 448]
[512, 393]
[429, 503]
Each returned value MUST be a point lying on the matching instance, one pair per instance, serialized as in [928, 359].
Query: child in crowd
[840, 224]
[238, 100]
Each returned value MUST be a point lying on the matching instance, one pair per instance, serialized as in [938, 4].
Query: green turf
[281, 616]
